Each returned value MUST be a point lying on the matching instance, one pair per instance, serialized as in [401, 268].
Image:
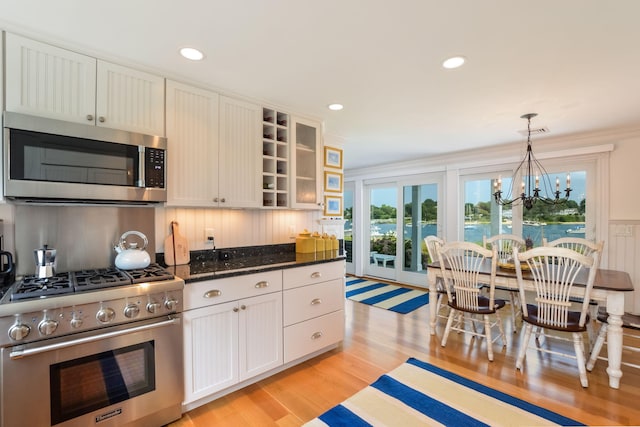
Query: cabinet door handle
[215, 199]
[223, 200]
[316, 275]
[212, 294]
[316, 335]
[243, 307]
[101, 119]
[235, 309]
[316, 301]
[90, 117]
[262, 284]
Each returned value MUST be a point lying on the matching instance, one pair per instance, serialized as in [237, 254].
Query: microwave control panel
[154, 167]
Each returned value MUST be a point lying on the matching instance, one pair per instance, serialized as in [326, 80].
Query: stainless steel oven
[107, 356]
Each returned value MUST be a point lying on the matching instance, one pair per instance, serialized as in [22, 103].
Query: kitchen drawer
[310, 274]
[306, 302]
[314, 334]
[209, 292]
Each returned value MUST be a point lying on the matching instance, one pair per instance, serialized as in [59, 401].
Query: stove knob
[171, 304]
[19, 331]
[76, 322]
[152, 307]
[105, 315]
[47, 326]
[131, 311]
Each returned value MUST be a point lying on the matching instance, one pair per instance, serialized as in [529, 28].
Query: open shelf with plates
[275, 158]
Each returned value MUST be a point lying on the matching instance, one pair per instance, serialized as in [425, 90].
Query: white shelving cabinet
[275, 158]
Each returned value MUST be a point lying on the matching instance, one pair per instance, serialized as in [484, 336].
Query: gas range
[35, 309]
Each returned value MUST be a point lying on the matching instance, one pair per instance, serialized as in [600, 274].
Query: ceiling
[574, 62]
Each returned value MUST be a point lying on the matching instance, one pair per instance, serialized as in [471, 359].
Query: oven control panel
[52, 322]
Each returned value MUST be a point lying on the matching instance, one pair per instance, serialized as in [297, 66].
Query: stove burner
[99, 278]
[151, 273]
[86, 280]
[33, 287]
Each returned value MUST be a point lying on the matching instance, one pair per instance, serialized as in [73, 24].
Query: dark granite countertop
[208, 265]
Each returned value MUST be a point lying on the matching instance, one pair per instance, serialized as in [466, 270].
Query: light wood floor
[378, 340]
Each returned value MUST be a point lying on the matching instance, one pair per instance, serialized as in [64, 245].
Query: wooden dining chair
[461, 264]
[588, 248]
[630, 329]
[580, 245]
[504, 244]
[433, 246]
[553, 272]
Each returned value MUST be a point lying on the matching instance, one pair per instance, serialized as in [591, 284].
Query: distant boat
[533, 223]
[577, 230]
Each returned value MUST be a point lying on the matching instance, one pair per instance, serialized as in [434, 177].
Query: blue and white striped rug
[419, 394]
[382, 295]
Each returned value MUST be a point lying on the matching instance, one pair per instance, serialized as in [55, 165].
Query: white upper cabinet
[47, 81]
[129, 99]
[51, 82]
[192, 153]
[240, 154]
[306, 164]
[214, 152]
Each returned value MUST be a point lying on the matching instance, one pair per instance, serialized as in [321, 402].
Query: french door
[381, 230]
[399, 216]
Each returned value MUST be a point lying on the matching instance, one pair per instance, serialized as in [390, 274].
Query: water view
[473, 232]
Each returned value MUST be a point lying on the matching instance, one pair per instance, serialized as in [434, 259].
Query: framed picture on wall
[333, 205]
[333, 181]
[333, 157]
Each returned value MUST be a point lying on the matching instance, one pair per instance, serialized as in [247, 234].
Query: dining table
[609, 289]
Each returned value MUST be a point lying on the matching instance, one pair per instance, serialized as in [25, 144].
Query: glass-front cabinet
[306, 164]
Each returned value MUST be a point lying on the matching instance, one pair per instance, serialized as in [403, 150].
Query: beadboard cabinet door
[129, 99]
[231, 342]
[240, 154]
[210, 350]
[192, 153]
[48, 81]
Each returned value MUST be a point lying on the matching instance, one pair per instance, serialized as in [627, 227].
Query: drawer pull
[316, 301]
[316, 336]
[316, 275]
[262, 284]
[212, 294]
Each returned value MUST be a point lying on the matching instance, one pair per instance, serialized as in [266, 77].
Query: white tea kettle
[132, 257]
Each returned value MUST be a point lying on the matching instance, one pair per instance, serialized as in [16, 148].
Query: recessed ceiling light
[191, 53]
[335, 107]
[454, 62]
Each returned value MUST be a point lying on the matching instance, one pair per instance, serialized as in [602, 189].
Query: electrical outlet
[209, 235]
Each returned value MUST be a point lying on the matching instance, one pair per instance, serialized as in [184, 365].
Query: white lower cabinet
[230, 342]
[313, 308]
[246, 327]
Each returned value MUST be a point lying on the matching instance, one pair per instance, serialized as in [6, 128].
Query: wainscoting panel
[623, 250]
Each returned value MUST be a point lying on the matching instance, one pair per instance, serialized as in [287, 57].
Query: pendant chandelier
[529, 171]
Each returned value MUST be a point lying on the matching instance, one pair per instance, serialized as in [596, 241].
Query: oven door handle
[18, 354]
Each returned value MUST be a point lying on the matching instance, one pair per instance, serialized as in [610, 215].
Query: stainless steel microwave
[55, 161]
